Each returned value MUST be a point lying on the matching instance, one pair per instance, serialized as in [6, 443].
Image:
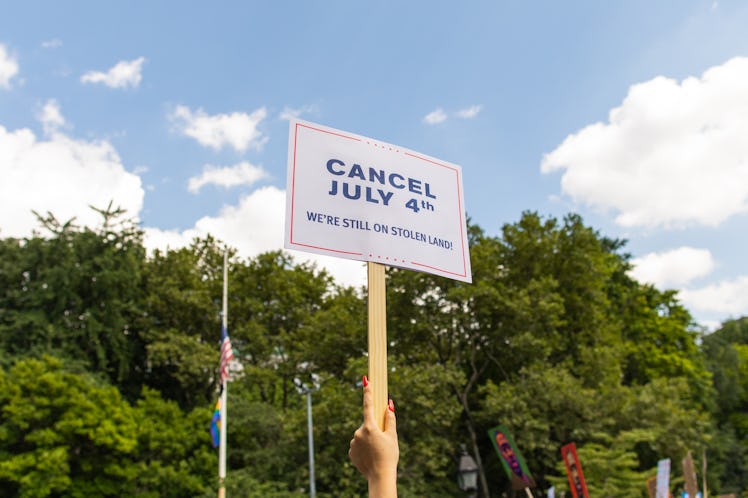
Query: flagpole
[703, 472]
[224, 390]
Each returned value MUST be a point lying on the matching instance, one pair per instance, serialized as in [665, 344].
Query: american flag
[227, 354]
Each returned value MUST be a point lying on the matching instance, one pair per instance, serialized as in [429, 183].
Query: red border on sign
[459, 220]
[415, 263]
[293, 189]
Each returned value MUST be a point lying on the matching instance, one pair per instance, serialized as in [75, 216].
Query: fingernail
[391, 406]
[365, 380]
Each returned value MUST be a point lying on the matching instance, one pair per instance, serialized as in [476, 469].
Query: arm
[374, 452]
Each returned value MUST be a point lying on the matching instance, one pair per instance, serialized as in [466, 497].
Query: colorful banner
[574, 471]
[510, 457]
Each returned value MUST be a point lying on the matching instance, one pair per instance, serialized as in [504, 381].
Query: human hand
[375, 452]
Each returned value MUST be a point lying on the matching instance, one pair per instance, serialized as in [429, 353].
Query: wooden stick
[378, 339]
[529, 493]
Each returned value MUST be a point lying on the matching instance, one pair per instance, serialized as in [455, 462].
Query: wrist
[383, 485]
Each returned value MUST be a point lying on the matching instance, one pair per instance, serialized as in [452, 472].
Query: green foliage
[76, 294]
[609, 466]
[67, 434]
[726, 352]
[62, 432]
[272, 300]
[242, 483]
[427, 427]
[109, 360]
[182, 307]
[173, 457]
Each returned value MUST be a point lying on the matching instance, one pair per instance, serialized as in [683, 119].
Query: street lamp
[467, 472]
[302, 388]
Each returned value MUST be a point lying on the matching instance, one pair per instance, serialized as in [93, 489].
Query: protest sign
[510, 457]
[574, 471]
[354, 197]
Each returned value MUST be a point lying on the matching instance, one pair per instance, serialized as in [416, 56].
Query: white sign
[354, 197]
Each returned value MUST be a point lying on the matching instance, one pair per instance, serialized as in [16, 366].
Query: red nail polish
[365, 380]
[391, 406]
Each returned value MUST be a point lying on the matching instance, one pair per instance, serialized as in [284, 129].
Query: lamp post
[305, 389]
[467, 472]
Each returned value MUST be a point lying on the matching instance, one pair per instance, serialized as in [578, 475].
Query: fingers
[369, 417]
[390, 421]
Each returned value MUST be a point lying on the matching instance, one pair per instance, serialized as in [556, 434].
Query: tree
[64, 433]
[610, 467]
[183, 305]
[552, 339]
[173, 457]
[620, 431]
[77, 294]
[726, 352]
[272, 300]
[61, 433]
[539, 294]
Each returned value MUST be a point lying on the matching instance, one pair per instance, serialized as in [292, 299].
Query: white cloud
[51, 117]
[227, 177]
[710, 325]
[253, 227]
[61, 175]
[435, 117]
[156, 238]
[673, 154]
[53, 43]
[8, 67]
[469, 112]
[672, 268]
[124, 74]
[346, 272]
[237, 130]
[290, 113]
[728, 296]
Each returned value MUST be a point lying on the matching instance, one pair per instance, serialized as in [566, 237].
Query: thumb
[390, 421]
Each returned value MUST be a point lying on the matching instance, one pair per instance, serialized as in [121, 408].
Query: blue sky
[633, 114]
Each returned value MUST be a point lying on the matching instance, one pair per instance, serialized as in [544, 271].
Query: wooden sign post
[354, 197]
[378, 338]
